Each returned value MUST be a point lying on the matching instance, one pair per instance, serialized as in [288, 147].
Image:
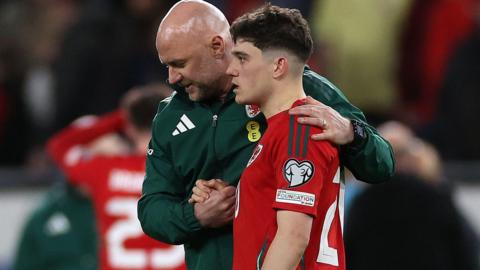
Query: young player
[289, 199]
[115, 183]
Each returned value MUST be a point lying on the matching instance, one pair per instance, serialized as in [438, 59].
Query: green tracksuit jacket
[191, 141]
[60, 234]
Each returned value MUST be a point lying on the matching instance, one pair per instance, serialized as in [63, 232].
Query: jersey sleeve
[302, 167]
[69, 148]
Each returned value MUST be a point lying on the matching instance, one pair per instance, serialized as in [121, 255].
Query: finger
[216, 184]
[302, 110]
[228, 203]
[203, 185]
[319, 111]
[209, 183]
[219, 184]
[220, 181]
[230, 213]
[323, 124]
[191, 201]
[232, 209]
[200, 181]
[200, 193]
[321, 136]
[312, 101]
[313, 121]
[231, 201]
[196, 199]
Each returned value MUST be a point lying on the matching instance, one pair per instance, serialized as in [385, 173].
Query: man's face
[251, 72]
[191, 66]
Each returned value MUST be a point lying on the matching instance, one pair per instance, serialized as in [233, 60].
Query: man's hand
[336, 128]
[201, 190]
[218, 210]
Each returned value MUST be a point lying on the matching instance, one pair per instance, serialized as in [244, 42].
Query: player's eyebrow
[174, 63]
[240, 54]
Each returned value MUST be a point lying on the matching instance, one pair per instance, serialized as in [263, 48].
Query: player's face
[191, 66]
[251, 72]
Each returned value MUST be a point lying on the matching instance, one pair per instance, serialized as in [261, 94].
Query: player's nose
[174, 76]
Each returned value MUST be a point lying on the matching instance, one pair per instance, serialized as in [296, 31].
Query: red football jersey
[115, 185]
[289, 171]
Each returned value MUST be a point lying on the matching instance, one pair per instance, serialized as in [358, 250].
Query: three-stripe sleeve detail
[298, 137]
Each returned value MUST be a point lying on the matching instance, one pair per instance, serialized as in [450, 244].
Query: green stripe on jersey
[297, 144]
[290, 134]
[305, 141]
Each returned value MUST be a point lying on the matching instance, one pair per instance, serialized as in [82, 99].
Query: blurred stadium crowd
[413, 62]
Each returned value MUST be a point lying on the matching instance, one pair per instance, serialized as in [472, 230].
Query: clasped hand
[214, 202]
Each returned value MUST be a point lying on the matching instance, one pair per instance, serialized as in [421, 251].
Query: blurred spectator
[410, 222]
[360, 39]
[106, 53]
[114, 181]
[29, 39]
[454, 130]
[304, 6]
[433, 30]
[412, 155]
[407, 224]
[60, 234]
[13, 118]
[235, 8]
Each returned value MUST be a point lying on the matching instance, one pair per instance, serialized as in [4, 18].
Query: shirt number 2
[327, 254]
[129, 227]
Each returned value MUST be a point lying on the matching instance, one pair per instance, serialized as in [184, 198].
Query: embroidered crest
[298, 173]
[252, 110]
[255, 154]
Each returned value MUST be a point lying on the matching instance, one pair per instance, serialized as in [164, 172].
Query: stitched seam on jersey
[290, 134]
[305, 141]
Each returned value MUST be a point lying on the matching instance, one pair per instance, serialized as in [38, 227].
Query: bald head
[193, 19]
[194, 42]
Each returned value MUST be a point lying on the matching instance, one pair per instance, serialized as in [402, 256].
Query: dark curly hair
[273, 27]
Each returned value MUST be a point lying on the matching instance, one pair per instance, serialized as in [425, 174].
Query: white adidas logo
[184, 125]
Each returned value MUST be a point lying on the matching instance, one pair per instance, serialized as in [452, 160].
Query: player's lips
[235, 87]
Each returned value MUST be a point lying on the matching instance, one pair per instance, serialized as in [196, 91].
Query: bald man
[201, 133]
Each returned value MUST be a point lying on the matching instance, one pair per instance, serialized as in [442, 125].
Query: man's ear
[280, 67]
[217, 46]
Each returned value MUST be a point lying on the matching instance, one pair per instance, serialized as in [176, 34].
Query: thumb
[219, 183]
[216, 184]
[229, 191]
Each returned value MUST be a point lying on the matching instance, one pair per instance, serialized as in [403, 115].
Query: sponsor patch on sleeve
[295, 197]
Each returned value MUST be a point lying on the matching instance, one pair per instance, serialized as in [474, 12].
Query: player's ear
[280, 67]
[217, 47]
